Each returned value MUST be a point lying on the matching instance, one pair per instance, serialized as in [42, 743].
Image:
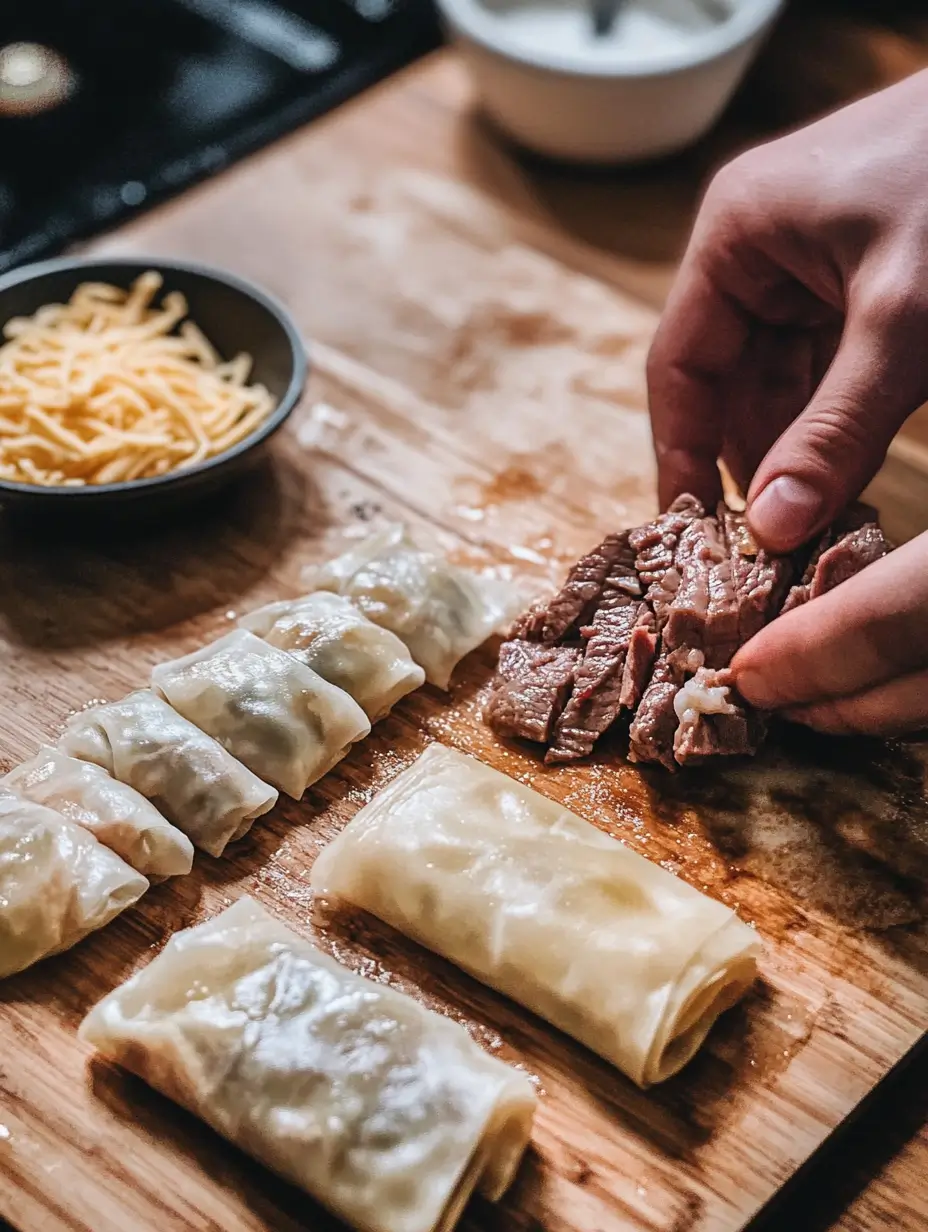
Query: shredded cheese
[112, 387]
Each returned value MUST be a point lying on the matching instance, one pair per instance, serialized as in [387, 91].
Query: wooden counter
[381, 228]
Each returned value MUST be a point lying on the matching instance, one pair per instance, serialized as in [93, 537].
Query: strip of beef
[642, 650]
[651, 735]
[575, 603]
[704, 612]
[800, 593]
[760, 579]
[729, 588]
[596, 700]
[851, 554]
[713, 720]
[532, 686]
[836, 560]
[655, 546]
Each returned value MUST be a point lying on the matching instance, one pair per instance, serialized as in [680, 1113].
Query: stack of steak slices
[646, 625]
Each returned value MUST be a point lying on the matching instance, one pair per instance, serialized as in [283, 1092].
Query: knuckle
[663, 375]
[891, 309]
[734, 193]
[896, 297]
[837, 431]
[838, 716]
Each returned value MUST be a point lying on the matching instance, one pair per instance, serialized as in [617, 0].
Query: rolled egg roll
[270, 711]
[439, 610]
[57, 883]
[115, 813]
[387, 1113]
[547, 909]
[189, 777]
[329, 634]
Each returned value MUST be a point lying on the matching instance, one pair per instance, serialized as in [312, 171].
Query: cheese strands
[112, 387]
[544, 907]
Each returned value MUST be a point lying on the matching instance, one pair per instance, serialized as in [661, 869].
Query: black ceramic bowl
[235, 316]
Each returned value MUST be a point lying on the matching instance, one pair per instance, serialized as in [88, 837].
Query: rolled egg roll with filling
[329, 634]
[57, 883]
[266, 708]
[387, 1113]
[115, 813]
[187, 775]
[544, 907]
[441, 611]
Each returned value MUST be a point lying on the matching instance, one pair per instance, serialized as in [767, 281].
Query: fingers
[733, 279]
[888, 710]
[862, 634]
[771, 386]
[703, 332]
[700, 336]
[826, 458]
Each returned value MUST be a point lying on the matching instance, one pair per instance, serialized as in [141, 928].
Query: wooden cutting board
[471, 378]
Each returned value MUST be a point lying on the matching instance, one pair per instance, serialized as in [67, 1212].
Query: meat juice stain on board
[841, 829]
[749, 1048]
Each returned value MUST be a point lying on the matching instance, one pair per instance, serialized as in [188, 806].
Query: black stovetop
[155, 94]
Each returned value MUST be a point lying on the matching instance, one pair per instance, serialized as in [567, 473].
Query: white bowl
[599, 104]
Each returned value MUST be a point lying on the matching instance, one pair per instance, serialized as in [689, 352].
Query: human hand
[795, 340]
[852, 660]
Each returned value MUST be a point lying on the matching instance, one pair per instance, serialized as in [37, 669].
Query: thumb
[826, 458]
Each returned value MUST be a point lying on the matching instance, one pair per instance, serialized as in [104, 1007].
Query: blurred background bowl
[234, 314]
[584, 109]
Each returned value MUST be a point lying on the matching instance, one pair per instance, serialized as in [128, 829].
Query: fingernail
[785, 513]
[754, 688]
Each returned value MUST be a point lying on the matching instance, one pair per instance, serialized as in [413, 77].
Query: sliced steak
[655, 546]
[649, 622]
[704, 612]
[531, 688]
[800, 593]
[713, 721]
[850, 555]
[729, 588]
[651, 736]
[835, 561]
[596, 700]
[761, 580]
[575, 603]
[642, 649]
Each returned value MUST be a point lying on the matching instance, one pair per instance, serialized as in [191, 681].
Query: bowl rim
[182, 476]
[472, 19]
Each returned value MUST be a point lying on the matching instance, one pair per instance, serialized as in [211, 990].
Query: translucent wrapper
[186, 774]
[269, 710]
[440, 611]
[544, 907]
[387, 1113]
[330, 635]
[57, 883]
[115, 813]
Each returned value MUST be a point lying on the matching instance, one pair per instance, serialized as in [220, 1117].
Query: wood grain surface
[477, 371]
